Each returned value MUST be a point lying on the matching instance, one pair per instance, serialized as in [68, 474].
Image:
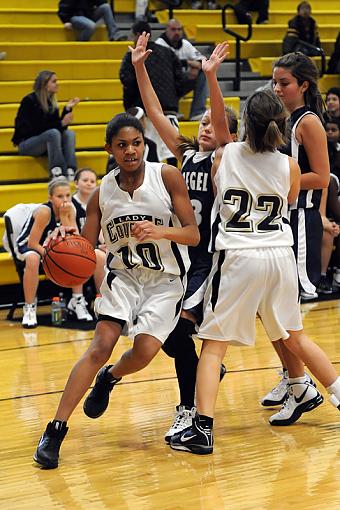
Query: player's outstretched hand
[139, 54]
[216, 58]
[60, 232]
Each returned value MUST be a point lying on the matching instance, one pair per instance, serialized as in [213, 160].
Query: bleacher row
[34, 39]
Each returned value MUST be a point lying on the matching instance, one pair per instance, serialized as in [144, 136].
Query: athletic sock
[186, 363]
[297, 380]
[334, 388]
[59, 424]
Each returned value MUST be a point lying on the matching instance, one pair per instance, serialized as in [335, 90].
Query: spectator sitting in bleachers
[330, 238]
[191, 60]
[244, 7]
[141, 7]
[57, 211]
[168, 80]
[150, 151]
[82, 16]
[333, 102]
[334, 61]
[201, 4]
[302, 29]
[332, 127]
[39, 129]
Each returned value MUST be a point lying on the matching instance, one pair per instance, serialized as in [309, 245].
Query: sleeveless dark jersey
[26, 230]
[80, 212]
[196, 170]
[307, 198]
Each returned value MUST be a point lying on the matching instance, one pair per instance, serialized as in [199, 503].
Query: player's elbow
[195, 236]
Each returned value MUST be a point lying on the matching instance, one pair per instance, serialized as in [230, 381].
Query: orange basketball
[69, 261]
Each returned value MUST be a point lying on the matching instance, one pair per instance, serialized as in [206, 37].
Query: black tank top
[307, 198]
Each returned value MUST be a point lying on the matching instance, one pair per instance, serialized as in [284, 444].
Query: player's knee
[99, 354]
[180, 339]
[169, 346]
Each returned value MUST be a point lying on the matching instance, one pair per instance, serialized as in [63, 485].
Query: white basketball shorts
[245, 282]
[149, 302]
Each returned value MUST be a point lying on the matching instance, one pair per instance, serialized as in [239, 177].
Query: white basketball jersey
[151, 201]
[251, 207]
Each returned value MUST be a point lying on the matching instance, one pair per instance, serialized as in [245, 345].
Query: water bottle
[63, 307]
[56, 312]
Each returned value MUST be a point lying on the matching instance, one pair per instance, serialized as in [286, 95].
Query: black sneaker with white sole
[297, 402]
[196, 439]
[98, 399]
[47, 452]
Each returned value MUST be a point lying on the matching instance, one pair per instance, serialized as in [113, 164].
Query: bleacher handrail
[239, 38]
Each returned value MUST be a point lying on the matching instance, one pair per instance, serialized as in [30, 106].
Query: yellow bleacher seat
[63, 50]
[14, 91]
[190, 19]
[27, 168]
[98, 112]
[64, 69]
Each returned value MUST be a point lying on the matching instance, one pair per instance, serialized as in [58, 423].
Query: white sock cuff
[335, 388]
[297, 380]
[77, 295]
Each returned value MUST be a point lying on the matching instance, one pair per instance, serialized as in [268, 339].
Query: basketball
[69, 261]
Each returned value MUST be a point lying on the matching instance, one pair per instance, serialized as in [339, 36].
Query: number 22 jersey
[152, 202]
[251, 206]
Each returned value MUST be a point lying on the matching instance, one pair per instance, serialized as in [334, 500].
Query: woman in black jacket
[39, 128]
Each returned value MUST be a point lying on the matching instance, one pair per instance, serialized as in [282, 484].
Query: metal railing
[239, 38]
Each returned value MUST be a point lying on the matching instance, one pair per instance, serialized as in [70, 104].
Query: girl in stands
[40, 129]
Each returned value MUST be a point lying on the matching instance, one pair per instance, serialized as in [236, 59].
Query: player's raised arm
[166, 130]
[218, 116]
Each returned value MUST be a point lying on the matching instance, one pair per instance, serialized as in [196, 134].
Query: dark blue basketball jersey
[26, 230]
[307, 198]
[196, 170]
[80, 212]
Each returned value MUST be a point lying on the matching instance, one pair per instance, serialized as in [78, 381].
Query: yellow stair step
[264, 65]
[46, 33]
[65, 69]
[317, 5]
[252, 49]
[190, 19]
[87, 137]
[32, 169]
[119, 5]
[268, 32]
[13, 92]
[97, 112]
[63, 50]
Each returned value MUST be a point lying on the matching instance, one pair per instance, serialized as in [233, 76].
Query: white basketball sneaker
[183, 420]
[277, 395]
[29, 319]
[77, 307]
[302, 397]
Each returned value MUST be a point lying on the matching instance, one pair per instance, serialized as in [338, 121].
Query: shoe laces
[281, 384]
[183, 418]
